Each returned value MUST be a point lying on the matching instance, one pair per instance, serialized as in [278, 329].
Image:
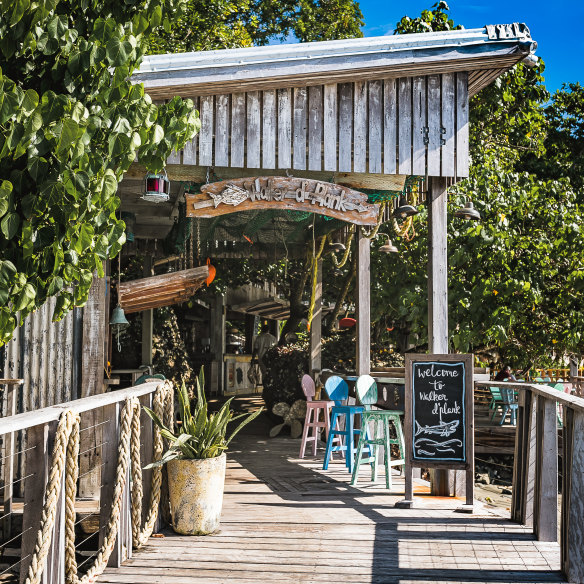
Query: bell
[468, 212]
[388, 247]
[118, 319]
[156, 187]
[404, 211]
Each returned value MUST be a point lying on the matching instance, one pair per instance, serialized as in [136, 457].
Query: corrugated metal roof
[470, 48]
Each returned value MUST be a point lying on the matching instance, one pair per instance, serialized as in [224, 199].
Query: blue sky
[555, 25]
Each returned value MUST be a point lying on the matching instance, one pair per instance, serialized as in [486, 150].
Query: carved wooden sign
[276, 192]
[507, 31]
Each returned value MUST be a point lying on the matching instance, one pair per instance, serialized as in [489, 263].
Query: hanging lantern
[388, 247]
[156, 187]
[404, 210]
[212, 272]
[468, 212]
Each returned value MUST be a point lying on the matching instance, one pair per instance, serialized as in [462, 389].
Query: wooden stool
[313, 409]
[338, 391]
[366, 389]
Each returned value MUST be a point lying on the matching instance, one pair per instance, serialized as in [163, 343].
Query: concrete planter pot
[196, 494]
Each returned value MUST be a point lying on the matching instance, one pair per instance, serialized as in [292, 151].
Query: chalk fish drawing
[230, 195]
[441, 429]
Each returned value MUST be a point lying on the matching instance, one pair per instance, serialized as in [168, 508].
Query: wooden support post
[111, 416]
[438, 292]
[316, 325]
[572, 523]
[8, 461]
[217, 343]
[363, 300]
[545, 512]
[146, 454]
[92, 376]
[147, 320]
[524, 460]
[39, 444]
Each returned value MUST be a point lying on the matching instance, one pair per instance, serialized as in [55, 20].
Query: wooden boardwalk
[287, 521]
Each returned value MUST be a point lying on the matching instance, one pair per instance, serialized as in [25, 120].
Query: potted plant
[196, 461]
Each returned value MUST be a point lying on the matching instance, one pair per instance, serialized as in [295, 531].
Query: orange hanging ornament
[212, 272]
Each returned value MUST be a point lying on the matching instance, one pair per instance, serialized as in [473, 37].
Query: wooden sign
[439, 416]
[277, 192]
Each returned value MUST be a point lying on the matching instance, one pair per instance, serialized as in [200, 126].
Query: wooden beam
[198, 174]
[363, 301]
[316, 325]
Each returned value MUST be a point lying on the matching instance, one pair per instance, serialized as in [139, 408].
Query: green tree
[224, 24]
[71, 123]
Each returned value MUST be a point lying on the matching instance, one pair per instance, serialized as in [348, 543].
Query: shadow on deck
[286, 520]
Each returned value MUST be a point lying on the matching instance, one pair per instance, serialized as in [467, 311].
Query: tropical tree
[71, 123]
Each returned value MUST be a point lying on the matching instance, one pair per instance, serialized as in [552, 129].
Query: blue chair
[509, 405]
[338, 392]
[366, 389]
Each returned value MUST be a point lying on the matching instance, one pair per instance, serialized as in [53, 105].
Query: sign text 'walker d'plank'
[276, 192]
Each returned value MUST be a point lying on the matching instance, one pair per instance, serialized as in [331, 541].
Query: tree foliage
[225, 24]
[71, 123]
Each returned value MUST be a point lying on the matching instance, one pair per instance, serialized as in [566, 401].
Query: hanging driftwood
[163, 290]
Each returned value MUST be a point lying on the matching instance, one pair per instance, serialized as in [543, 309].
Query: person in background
[505, 374]
[262, 344]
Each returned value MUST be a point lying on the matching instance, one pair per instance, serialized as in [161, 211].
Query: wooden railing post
[146, 454]
[572, 530]
[545, 512]
[39, 444]
[524, 460]
[111, 416]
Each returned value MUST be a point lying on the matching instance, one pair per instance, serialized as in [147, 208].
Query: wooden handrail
[575, 402]
[52, 413]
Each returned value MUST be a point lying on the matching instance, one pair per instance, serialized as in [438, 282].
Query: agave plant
[202, 435]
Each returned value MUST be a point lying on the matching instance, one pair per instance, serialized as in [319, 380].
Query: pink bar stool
[313, 409]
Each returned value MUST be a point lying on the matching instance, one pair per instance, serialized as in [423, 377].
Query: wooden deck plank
[281, 514]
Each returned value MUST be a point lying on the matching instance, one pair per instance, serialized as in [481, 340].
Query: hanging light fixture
[404, 210]
[156, 187]
[118, 321]
[468, 212]
[388, 247]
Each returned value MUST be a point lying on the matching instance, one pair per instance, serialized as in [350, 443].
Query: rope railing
[63, 475]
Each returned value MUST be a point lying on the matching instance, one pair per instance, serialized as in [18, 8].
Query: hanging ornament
[118, 321]
[212, 272]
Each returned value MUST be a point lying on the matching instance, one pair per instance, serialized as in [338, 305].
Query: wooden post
[438, 292]
[39, 446]
[92, 376]
[217, 343]
[363, 300]
[316, 325]
[146, 454]
[572, 523]
[545, 512]
[111, 416]
[524, 460]
[8, 459]
[147, 321]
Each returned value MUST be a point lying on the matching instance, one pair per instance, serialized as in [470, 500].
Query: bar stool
[338, 391]
[313, 409]
[366, 389]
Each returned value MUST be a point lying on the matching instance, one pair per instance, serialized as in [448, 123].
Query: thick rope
[65, 464]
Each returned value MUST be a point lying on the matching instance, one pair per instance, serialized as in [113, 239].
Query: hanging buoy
[212, 272]
[347, 322]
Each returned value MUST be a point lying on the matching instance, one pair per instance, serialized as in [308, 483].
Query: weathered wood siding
[42, 353]
[406, 126]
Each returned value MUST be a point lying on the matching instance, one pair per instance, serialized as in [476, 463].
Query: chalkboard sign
[439, 418]
[438, 410]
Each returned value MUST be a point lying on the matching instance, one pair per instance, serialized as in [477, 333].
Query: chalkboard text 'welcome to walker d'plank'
[438, 408]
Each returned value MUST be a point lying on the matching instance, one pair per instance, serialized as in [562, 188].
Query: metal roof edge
[500, 35]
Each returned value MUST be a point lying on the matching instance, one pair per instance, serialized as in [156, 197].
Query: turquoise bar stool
[366, 389]
[338, 392]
